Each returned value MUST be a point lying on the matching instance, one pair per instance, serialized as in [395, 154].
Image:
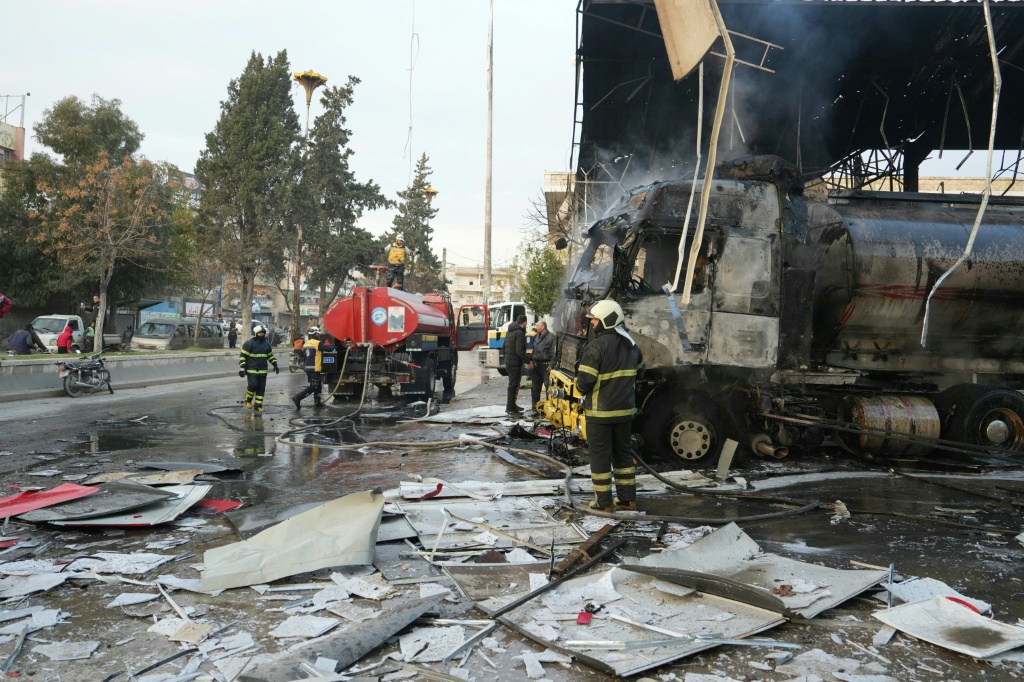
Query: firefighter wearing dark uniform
[396, 262]
[254, 362]
[606, 377]
[312, 354]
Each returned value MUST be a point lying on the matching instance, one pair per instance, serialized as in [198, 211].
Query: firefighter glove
[241, 372]
[277, 370]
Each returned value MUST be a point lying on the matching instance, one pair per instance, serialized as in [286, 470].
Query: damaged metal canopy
[730, 564]
[163, 511]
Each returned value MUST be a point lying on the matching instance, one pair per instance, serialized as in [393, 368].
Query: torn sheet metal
[492, 586]
[101, 562]
[518, 517]
[918, 589]
[395, 528]
[112, 498]
[151, 515]
[651, 615]
[730, 564]
[306, 627]
[346, 646]
[13, 505]
[342, 532]
[66, 651]
[953, 626]
[411, 490]
[182, 477]
[19, 586]
[218, 506]
[474, 415]
[205, 467]
[249, 521]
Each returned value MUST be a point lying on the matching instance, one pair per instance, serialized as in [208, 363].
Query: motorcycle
[296, 363]
[84, 376]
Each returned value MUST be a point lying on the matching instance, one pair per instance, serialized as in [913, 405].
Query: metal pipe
[762, 445]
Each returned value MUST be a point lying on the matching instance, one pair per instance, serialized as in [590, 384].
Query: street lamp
[310, 80]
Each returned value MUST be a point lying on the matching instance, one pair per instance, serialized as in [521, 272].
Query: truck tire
[448, 380]
[983, 415]
[688, 430]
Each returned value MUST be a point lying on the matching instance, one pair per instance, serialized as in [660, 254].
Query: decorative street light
[310, 80]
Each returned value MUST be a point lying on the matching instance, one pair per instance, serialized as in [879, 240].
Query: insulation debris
[954, 626]
[66, 651]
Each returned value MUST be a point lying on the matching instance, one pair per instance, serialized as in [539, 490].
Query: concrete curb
[37, 378]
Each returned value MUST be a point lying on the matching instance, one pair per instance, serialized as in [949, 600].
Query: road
[205, 422]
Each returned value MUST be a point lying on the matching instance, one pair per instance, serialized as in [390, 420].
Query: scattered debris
[66, 651]
[340, 533]
[13, 505]
[954, 626]
[152, 514]
[917, 589]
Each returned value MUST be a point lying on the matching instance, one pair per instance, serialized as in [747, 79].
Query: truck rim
[691, 438]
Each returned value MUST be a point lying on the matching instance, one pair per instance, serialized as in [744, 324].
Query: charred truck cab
[805, 319]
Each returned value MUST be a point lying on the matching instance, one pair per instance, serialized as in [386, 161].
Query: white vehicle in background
[49, 327]
[503, 315]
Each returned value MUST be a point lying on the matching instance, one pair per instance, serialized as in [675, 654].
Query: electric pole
[487, 172]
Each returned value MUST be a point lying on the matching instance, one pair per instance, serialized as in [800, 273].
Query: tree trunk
[98, 339]
[323, 302]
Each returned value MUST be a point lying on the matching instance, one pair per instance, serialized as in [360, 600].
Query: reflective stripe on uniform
[588, 370]
[625, 471]
[606, 476]
[615, 375]
[611, 413]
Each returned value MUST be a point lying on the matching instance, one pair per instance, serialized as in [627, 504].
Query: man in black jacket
[606, 377]
[515, 358]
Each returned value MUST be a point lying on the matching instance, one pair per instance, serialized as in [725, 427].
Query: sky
[170, 66]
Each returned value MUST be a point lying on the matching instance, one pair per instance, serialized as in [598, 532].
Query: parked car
[49, 327]
[176, 333]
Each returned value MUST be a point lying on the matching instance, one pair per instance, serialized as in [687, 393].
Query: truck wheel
[448, 380]
[689, 431]
[983, 415]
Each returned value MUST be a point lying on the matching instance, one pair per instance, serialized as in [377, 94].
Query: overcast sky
[170, 66]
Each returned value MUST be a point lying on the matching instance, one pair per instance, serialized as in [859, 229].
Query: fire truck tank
[384, 317]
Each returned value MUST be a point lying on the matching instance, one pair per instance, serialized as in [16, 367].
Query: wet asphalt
[205, 422]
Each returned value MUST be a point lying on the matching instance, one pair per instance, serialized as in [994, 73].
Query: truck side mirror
[561, 243]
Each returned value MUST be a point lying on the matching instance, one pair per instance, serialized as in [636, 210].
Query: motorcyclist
[253, 362]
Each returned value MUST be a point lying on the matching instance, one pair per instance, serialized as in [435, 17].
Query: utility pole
[444, 268]
[487, 172]
[310, 80]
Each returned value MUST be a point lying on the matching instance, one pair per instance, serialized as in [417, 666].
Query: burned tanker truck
[805, 319]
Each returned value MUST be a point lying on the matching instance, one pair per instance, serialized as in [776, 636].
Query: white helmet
[608, 312]
[313, 330]
[399, 238]
[259, 329]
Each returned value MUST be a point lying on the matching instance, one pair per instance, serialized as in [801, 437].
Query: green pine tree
[415, 211]
[248, 171]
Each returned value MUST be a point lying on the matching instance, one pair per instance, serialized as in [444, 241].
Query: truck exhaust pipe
[762, 445]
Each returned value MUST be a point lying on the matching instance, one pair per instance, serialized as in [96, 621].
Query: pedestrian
[514, 351]
[254, 362]
[396, 262]
[543, 354]
[608, 370]
[65, 340]
[232, 335]
[312, 354]
[23, 342]
[89, 342]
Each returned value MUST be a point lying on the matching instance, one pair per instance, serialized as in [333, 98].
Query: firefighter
[396, 262]
[312, 353]
[606, 377]
[254, 362]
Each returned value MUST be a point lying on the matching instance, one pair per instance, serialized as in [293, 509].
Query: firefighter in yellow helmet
[606, 377]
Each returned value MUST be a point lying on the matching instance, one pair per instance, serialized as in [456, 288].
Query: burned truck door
[471, 327]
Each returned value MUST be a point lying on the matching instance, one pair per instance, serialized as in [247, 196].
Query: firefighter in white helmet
[606, 377]
[253, 363]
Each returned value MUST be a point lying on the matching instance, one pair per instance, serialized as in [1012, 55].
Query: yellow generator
[564, 404]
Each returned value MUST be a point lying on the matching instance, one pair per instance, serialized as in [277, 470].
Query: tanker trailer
[400, 342]
[805, 319]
